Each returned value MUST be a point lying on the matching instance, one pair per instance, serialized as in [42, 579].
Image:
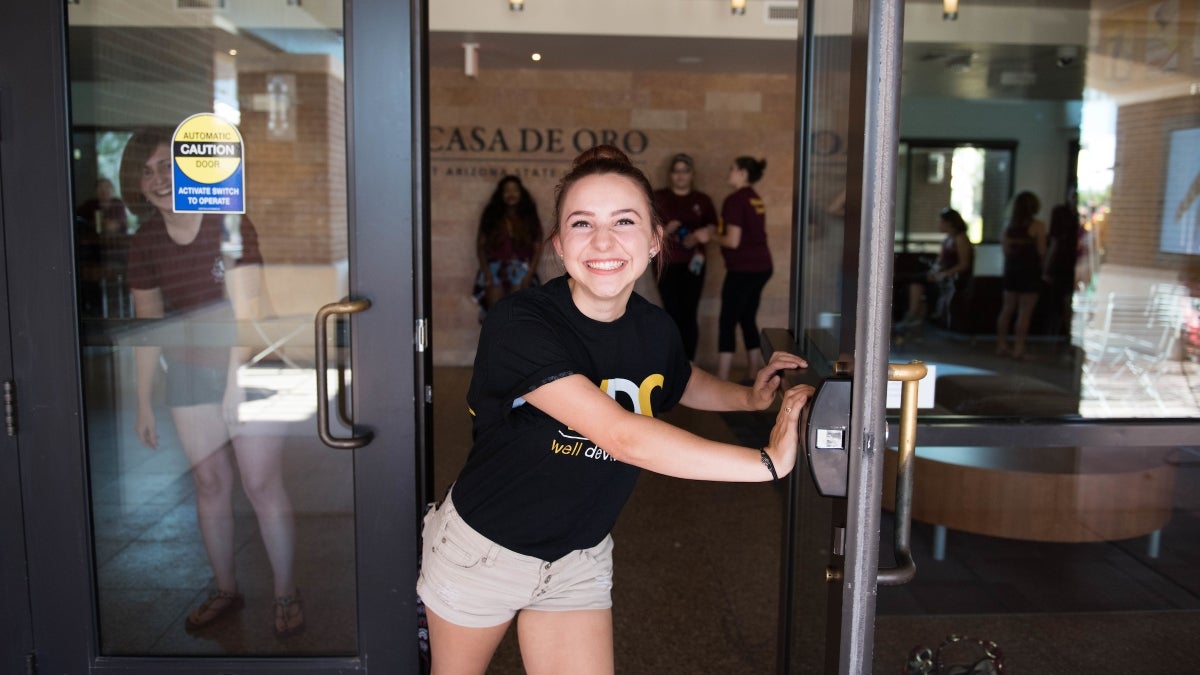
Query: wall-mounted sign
[527, 140]
[208, 174]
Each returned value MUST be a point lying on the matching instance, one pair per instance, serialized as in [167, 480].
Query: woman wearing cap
[743, 239]
[568, 381]
[688, 216]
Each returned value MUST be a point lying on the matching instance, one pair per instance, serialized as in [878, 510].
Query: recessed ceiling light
[233, 52]
[535, 56]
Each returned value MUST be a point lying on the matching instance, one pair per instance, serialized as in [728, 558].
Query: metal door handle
[909, 375]
[321, 322]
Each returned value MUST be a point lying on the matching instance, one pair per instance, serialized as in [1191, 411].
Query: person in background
[689, 217]
[1024, 245]
[508, 245]
[101, 251]
[950, 273]
[104, 213]
[742, 234]
[178, 271]
[569, 379]
[1058, 271]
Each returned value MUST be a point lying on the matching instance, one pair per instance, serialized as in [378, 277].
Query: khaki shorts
[471, 581]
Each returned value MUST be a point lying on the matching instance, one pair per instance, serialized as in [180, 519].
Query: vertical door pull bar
[321, 324]
[909, 375]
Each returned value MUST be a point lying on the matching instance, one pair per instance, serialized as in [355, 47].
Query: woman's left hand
[784, 446]
[770, 378]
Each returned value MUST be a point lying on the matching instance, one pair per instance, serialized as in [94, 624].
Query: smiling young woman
[568, 380]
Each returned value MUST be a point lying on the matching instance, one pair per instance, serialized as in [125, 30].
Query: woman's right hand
[785, 435]
[146, 428]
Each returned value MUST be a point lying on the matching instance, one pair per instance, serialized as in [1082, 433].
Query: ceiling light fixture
[516, 5]
[949, 10]
[737, 7]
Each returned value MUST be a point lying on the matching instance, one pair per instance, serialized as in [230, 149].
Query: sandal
[289, 615]
[219, 605]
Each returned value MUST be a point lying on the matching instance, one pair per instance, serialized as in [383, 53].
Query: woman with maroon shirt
[178, 272]
[743, 239]
[690, 217]
[508, 244]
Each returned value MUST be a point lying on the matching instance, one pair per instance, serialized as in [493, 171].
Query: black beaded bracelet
[766, 460]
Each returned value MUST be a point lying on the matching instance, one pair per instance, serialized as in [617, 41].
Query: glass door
[1054, 490]
[239, 486]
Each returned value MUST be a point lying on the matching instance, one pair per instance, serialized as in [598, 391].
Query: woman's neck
[597, 308]
[182, 227]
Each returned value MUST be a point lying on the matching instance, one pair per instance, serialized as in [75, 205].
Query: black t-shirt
[531, 483]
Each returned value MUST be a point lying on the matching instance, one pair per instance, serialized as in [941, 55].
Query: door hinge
[421, 338]
[10, 408]
[30, 658]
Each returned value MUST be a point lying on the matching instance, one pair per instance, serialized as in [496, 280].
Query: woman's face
[681, 177]
[737, 176]
[156, 179]
[606, 238]
[511, 193]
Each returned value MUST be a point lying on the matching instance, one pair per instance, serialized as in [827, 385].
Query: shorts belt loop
[490, 558]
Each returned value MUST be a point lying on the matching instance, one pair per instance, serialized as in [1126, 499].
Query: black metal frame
[387, 154]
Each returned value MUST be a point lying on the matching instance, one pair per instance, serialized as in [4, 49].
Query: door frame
[872, 342]
[387, 154]
[14, 611]
[846, 603]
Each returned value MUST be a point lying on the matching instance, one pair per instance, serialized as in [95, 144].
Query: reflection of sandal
[289, 615]
[219, 605]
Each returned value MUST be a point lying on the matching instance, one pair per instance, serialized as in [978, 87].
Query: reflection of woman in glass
[178, 270]
[1024, 246]
[509, 243]
[950, 273]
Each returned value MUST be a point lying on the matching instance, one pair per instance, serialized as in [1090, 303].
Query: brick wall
[528, 122]
[1132, 232]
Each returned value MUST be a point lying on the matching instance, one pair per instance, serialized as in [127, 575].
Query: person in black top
[1058, 270]
[949, 274]
[1024, 245]
[689, 217]
[568, 380]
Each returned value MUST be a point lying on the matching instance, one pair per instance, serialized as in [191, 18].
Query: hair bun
[609, 152]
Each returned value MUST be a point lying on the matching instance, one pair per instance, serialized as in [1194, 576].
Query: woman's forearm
[145, 360]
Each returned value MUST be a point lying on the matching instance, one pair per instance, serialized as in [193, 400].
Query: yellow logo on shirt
[639, 397]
